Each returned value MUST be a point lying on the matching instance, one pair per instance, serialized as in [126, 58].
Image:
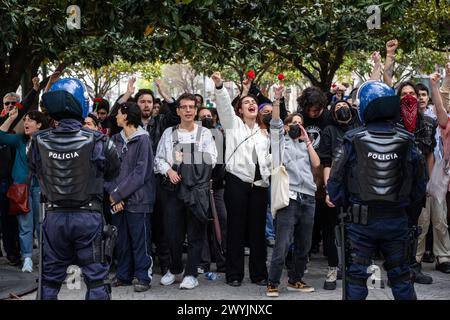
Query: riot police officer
[377, 173]
[72, 163]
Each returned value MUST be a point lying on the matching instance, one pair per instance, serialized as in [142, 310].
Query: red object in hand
[251, 74]
[4, 113]
[281, 77]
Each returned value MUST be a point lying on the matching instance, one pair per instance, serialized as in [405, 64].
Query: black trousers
[318, 224]
[9, 227]
[329, 222]
[246, 212]
[179, 220]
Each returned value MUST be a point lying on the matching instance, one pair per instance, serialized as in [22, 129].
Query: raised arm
[228, 117]
[130, 91]
[162, 91]
[246, 85]
[391, 46]
[441, 113]
[171, 118]
[52, 79]
[27, 103]
[276, 113]
[445, 88]
[376, 72]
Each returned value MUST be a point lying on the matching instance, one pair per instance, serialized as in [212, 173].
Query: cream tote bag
[279, 192]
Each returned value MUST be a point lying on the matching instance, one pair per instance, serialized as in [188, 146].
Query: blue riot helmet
[377, 101]
[67, 98]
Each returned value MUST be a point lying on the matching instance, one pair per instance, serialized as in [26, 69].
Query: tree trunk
[20, 61]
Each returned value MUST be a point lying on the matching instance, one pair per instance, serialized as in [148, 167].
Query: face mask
[266, 119]
[208, 123]
[408, 110]
[343, 115]
[294, 131]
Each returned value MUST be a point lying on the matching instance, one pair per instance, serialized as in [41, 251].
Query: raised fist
[376, 57]
[130, 87]
[391, 46]
[279, 90]
[217, 79]
[35, 81]
[434, 78]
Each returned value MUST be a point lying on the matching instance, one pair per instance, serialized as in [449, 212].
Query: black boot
[417, 276]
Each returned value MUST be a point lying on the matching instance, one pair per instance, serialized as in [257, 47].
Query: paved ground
[218, 290]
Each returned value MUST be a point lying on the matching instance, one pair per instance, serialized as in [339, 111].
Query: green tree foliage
[312, 36]
[103, 79]
[33, 32]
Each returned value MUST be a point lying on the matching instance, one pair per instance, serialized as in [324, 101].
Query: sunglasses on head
[9, 103]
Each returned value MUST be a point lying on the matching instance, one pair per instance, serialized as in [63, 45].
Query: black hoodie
[332, 136]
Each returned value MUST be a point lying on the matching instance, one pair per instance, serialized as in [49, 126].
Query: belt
[91, 206]
[362, 213]
[386, 212]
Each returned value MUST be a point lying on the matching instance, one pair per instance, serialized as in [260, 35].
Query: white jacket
[241, 163]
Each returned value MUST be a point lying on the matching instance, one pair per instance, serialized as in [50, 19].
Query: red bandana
[408, 109]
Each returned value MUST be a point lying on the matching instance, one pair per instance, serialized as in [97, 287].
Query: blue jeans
[391, 236]
[297, 221]
[270, 234]
[28, 222]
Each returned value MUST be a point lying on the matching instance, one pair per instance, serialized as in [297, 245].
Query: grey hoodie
[295, 159]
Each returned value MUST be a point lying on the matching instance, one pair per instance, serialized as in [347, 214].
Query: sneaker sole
[141, 289]
[272, 295]
[300, 290]
[186, 288]
[328, 285]
[167, 283]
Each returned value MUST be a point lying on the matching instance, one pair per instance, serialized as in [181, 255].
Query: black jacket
[161, 122]
[333, 136]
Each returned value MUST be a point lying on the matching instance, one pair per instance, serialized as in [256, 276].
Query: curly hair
[311, 97]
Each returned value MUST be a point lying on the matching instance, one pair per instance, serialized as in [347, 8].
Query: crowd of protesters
[198, 180]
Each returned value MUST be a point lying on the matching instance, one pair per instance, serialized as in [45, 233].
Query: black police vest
[68, 177]
[382, 174]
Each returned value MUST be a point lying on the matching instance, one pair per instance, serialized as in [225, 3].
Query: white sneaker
[27, 265]
[170, 278]
[330, 282]
[189, 282]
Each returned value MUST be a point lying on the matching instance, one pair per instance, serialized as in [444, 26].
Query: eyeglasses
[187, 107]
[9, 103]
